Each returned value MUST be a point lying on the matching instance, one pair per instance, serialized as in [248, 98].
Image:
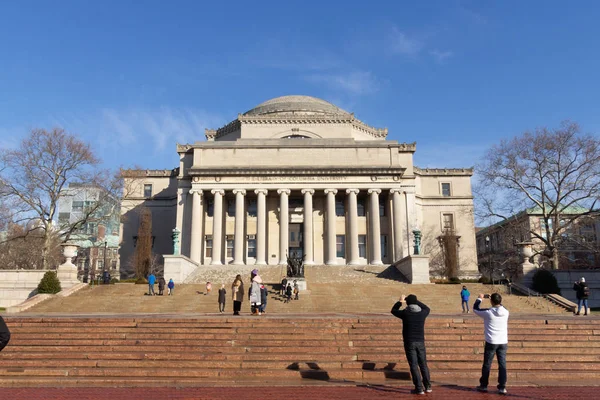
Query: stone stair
[364, 289]
[196, 351]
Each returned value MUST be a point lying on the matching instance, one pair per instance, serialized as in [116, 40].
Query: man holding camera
[413, 334]
[495, 321]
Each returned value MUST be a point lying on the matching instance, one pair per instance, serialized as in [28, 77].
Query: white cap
[582, 279]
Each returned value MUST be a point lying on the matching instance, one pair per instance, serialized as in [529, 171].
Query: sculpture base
[300, 281]
[67, 275]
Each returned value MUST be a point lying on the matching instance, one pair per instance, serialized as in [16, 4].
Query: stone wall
[17, 286]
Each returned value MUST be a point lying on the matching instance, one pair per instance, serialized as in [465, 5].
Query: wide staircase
[364, 289]
[226, 350]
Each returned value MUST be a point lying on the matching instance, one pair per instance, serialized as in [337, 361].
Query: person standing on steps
[222, 297]
[171, 287]
[237, 293]
[161, 285]
[288, 293]
[582, 291]
[413, 333]
[495, 322]
[255, 295]
[283, 286]
[464, 297]
[4, 334]
[151, 282]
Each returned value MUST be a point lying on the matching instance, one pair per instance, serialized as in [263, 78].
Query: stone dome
[306, 105]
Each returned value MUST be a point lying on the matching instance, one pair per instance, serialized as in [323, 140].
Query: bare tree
[553, 171]
[34, 177]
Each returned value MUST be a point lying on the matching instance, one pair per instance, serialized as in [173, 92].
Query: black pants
[417, 360]
[3, 343]
[488, 357]
[221, 307]
[237, 306]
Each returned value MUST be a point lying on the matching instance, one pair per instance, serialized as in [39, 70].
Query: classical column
[261, 226]
[238, 245]
[352, 227]
[181, 198]
[196, 236]
[217, 250]
[284, 224]
[397, 223]
[374, 227]
[331, 251]
[308, 226]
[411, 218]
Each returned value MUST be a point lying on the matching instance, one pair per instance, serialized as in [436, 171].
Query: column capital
[309, 191]
[355, 191]
[284, 191]
[218, 191]
[334, 191]
[371, 191]
[241, 191]
[396, 190]
[194, 191]
[261, 191]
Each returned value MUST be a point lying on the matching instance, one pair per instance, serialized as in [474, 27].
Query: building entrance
[296, 244]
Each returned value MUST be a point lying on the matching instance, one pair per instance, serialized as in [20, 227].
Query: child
[263, 296]
[208, 288]
[222, 296]
[171, 287]
[288, 293]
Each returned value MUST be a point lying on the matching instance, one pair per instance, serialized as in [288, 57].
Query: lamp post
[489, 251]
[105, 247]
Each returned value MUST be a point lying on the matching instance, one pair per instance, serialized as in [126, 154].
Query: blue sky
[135, 77]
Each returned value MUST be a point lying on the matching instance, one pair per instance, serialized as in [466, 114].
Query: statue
[175, 238]
[417, 235]
[295, 266]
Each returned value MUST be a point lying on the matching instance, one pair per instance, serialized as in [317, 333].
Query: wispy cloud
[402, 43]
[441, 56]
[355, 82]
[164, 125]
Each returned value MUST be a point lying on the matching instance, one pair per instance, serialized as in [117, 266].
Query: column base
[309, 263]
[354, 262]
[331, 262]
[238, 263]
[376, 263]
[260, 263]
[216, 263]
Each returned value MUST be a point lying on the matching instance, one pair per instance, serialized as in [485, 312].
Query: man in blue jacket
[464, 297]
[413, 333]
[151, 281]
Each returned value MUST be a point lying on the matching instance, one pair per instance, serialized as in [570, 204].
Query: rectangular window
[296, 203]
[448, 222]
[114, 264]
[340, 210]
[384, 246]
[100, 264]
[251, 248]
[360, 208]
[362, 246]
[147, 190]
[63, 218]
[381, 209]
[208, 247]
[231, 208]
[229, 246]
[543, 227]
[340, 246]
[210, 207]
[77, 206]
[446, 190]
[252, 208]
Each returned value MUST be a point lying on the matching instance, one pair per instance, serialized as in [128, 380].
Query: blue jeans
[417, 360]
[488, 356]
[582, 303]
[465, 303]
[150, 289]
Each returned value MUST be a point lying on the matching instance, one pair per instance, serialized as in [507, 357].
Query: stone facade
[299, 175]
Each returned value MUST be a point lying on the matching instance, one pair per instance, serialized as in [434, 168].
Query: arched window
[296, 136]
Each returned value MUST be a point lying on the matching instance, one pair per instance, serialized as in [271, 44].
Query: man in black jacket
[4, 334]
[413, 334]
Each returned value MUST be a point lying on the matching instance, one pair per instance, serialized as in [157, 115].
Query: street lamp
[489, 251]
[105, 246]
